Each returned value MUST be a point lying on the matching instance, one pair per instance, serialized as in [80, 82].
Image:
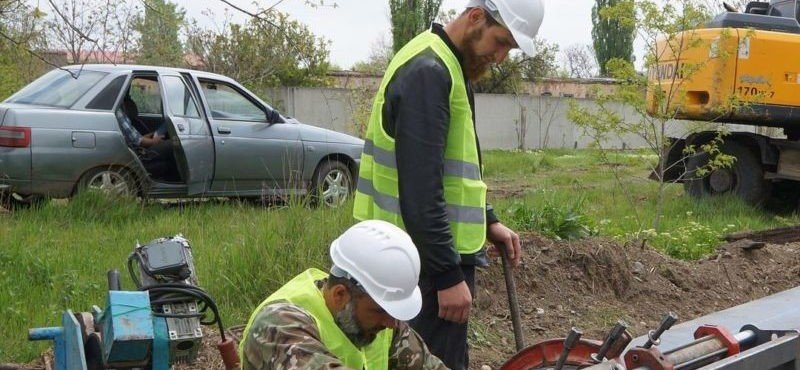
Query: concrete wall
[503, 121]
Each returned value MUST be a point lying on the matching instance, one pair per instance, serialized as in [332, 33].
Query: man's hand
[455, 303]
[150, 139]
[500, 236]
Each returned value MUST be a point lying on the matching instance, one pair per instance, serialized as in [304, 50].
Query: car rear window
[105, 99]
[57, 88]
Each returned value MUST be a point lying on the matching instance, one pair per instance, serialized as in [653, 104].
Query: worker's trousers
[446, 339]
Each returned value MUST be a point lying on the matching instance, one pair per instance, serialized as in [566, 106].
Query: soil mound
[592, 283]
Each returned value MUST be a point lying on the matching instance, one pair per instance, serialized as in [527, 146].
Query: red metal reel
[545, 354]
[722, 334]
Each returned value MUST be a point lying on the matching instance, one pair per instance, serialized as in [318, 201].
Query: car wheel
[333, 184]
[20, 201]
[745, 177]
[114, 181]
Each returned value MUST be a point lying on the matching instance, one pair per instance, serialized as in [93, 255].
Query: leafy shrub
[553, 219]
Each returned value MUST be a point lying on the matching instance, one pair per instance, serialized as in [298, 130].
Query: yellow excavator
[740, 68]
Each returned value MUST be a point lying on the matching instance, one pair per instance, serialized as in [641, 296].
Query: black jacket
[416, 113]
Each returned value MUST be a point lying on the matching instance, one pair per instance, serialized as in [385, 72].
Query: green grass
[583, 184]
[56, 257]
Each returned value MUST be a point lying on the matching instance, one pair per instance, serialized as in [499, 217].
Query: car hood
[313, 133]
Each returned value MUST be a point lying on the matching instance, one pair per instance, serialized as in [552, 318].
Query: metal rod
[513, 305]
[618, 329]
[49, 333]
[569, 343]
[697, 353]
[701, 361]
[689, 345]
[745, 337]
[666, 323]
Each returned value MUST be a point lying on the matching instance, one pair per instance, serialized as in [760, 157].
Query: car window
[108, 96]
[58, 88]
[179, 99]
[226, 102]
[145, 93]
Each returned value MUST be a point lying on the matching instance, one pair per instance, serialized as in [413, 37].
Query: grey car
[70, 131]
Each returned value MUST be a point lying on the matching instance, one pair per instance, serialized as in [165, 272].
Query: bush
[553, 219]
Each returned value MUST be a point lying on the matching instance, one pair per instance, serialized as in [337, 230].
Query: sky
[354, 26]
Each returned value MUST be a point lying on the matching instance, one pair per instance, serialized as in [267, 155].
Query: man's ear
[476, 16]
[340, 295]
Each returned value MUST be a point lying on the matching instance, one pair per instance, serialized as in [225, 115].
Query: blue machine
[131, 336]
[152, 327]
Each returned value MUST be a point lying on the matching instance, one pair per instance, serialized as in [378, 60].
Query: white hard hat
[522, 17]
[382, 258]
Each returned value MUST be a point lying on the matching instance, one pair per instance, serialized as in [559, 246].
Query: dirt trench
[592, 283]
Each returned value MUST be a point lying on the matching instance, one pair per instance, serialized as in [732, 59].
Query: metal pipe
[511, 289]
[697, 353]
[701, 361]
[113, 279]
[694, 349]
[745, 337]
[50, 333]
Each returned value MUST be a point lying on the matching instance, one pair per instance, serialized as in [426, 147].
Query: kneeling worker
[352, 318]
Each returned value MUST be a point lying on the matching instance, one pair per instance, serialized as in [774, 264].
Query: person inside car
[153, 149]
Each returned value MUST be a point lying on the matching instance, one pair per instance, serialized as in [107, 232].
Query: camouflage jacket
[285, 337]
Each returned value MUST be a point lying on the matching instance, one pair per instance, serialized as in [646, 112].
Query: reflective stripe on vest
[464, 190]
[462, 214]
[303, 292]
[452, 167]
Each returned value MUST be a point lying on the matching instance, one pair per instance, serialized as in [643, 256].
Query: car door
[254, 156]
[194, 147]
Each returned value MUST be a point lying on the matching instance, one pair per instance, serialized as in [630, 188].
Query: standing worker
[348, 319]
[421, 166]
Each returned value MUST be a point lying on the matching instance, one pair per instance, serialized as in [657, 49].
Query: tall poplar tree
[612, 38]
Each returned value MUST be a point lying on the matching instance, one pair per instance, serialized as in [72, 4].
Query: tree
[447, 16]
[658, 98]
[90, 30]
[507, 77]
[379, 57]
[270, 50]
[159, 43]
[410, 17]
[579, 61]
[612, 38]
[20, 62]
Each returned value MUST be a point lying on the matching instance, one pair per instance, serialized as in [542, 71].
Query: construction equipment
[740, 68]
[713, 347]
[154, 327]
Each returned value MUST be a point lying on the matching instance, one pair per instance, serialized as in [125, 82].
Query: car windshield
[58, 88]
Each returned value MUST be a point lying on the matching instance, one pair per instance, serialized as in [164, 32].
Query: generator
[155, 326]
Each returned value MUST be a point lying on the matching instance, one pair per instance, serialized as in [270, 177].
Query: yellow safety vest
[464, 190]
[302, 291]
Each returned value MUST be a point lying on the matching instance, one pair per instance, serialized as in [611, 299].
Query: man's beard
[348, 322]
[475, 67]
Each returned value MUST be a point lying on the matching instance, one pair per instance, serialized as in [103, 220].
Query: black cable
[135, 278]
[171, 291]
[165, 293]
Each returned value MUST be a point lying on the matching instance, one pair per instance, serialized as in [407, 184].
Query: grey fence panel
[503, 121]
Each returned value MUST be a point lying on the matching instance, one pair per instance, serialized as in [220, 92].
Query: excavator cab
[775, 15]
[774, 8]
